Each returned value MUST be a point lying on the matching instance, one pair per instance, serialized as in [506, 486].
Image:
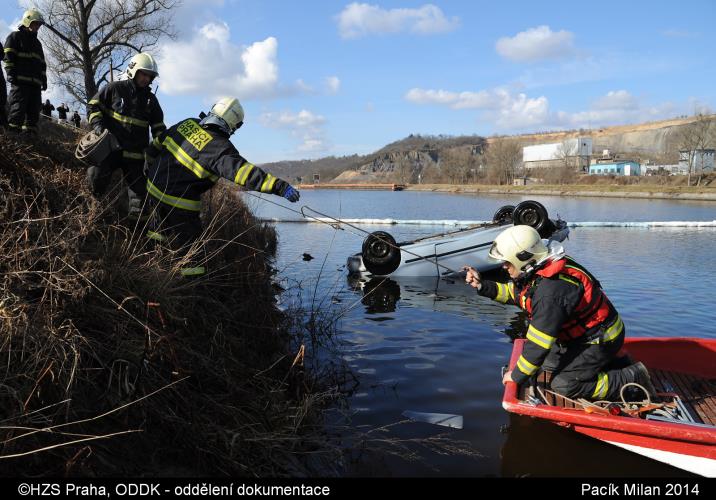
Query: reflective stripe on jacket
[564, 303]
[188, 159]
[25, 59]
[129, 113]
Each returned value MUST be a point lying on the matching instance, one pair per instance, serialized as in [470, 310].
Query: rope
[339, 222]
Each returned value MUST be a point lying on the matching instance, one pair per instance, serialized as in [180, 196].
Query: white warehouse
[574, 152]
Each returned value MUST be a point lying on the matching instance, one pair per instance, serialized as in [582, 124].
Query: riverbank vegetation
[116, 365]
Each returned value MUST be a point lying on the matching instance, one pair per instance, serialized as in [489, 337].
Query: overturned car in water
[443, 253]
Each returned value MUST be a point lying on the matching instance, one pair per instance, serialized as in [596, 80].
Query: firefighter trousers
[180, 229]
[25, 103]
[100, 176]
[584, 370]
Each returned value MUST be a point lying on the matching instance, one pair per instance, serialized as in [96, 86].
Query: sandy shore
[644, 192]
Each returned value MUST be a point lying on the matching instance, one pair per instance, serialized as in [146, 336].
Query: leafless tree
[504, 158]
[692, 139]
[86, 39]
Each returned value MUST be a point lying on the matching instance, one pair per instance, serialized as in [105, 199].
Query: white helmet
[230, 110]
[144, 62]
[520, 246]
[30, 16]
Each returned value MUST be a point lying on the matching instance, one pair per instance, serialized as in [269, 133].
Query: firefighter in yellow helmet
[187, 160]
[26, 72]
[129, 110]
[574, 329]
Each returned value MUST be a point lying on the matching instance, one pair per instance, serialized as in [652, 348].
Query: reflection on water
[435, 346]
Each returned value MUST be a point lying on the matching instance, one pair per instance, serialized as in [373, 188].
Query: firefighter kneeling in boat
[574, 329]
[188, 159]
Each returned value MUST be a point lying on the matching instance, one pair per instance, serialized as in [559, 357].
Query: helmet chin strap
[555, 252]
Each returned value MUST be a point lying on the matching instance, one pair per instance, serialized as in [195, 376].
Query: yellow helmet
[144, 62]
[30, 16]
[230, 110]
[520, 246]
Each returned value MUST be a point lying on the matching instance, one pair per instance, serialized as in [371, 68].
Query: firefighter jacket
[128, 113]
[188, 159]
[564, 304]
[25, 59]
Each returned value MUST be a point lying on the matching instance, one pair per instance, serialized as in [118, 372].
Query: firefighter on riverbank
[128, 110]
[26, 72]
[574, 329]
[187, 160]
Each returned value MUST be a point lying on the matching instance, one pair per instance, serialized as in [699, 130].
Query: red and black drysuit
[26, 72]
[574, 330]
[128, 112]
[183, 162]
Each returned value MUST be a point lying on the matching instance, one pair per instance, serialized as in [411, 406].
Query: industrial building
[574, 152]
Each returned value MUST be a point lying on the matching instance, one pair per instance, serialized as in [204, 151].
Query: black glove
[291, 194]
[44, 86]
[10, 79]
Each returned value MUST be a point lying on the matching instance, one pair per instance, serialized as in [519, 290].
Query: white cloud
[362, 19]
[616, 107]
[333, 84]
[507, 110]
[7, 27]
[304, 125]
[536, 44]
[209, 64]
[513, 112]
[455, 100]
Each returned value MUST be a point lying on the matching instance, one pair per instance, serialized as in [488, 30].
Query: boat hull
[690, 447]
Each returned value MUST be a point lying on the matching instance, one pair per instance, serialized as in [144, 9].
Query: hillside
[417, 154]
[116, 365]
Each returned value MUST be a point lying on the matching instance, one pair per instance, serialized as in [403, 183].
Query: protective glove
[291, 194]
[97, 127]
[43, 87]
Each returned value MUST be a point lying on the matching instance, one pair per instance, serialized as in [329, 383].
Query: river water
[432, 346]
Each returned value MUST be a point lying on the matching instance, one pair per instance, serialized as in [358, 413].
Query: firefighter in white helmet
[574, 329]
[187, 160]
[129, 110]
[26, 72]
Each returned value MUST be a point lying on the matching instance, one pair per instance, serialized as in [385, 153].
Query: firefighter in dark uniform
[128, 109]
[3, 91]
[187, 160]
[574, 329]
[25, 67]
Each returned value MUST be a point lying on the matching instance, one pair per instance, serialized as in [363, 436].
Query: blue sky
[325, 78]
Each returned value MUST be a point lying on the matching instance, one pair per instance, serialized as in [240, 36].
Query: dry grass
[115, 365]
[112, 364]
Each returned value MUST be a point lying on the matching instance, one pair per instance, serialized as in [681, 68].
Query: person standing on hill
[26, 72]
[128, 109]
[76, 119]
[187, 160]
[62, 111]
[574, 331]
[47, 108]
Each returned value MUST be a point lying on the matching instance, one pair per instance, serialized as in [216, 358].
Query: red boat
[679, 430]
